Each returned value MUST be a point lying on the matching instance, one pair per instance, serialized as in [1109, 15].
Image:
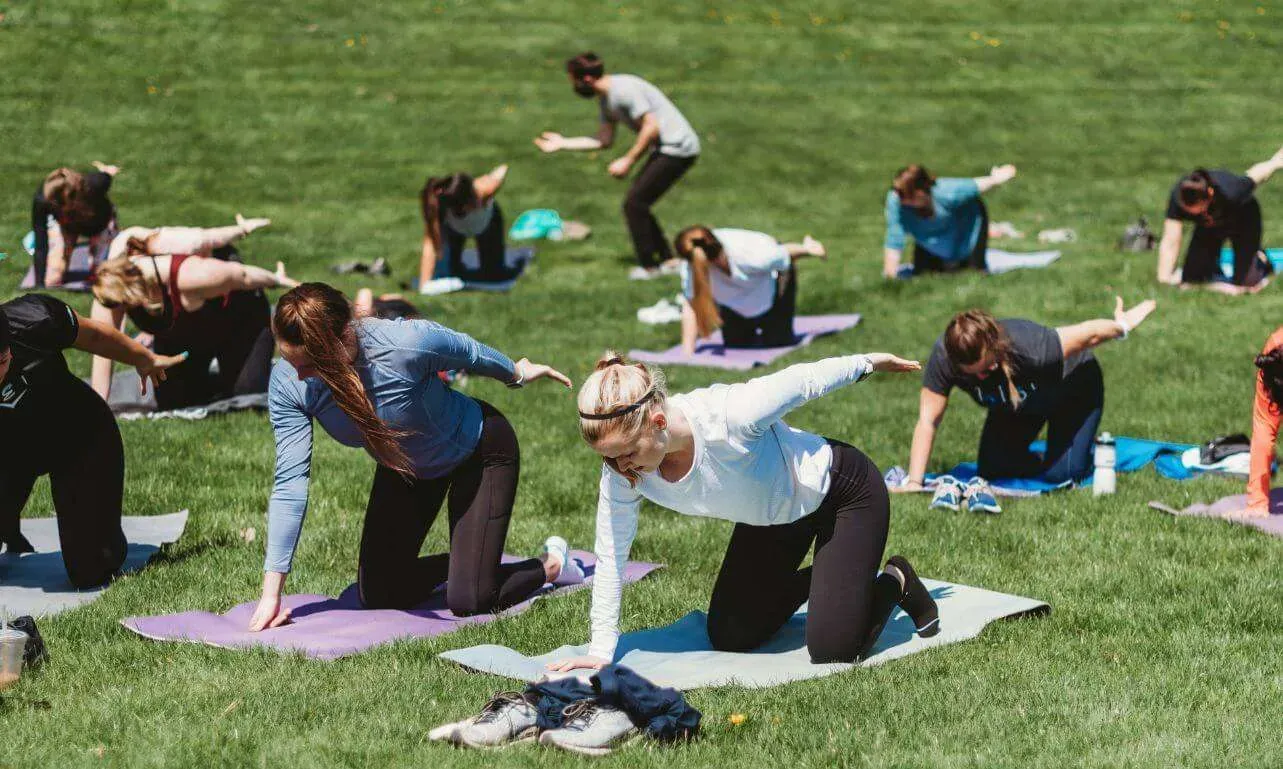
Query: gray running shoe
[590, 728]
[505, 719]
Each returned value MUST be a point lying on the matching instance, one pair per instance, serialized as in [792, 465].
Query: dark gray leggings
[760, 585]
[481, 490]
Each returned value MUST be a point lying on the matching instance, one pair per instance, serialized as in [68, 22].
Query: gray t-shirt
[629, 98]
[1038, 367]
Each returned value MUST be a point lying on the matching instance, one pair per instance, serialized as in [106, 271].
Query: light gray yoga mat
[999, 261]
[36, 583]
[680, 656]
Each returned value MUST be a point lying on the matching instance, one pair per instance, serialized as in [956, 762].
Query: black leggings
[760, 585]
[1203, 259]
[491, 251]
[925, 261]
[1071, 433]
[81, 451]
[392, 575]
[238, 336]
[655, 178]
[773, 328]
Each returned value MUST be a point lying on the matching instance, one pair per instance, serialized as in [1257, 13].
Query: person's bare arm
[690, 329]
[427, 261]
[997, 175]
[209, 278]
[551, 141]
[487, 186]
[1084, 336]
[363, 304]
[100, 372]
[1261, 172]
[891, 262]
[647, 134]
[1169, 251]
[110, 170]
[931, 408]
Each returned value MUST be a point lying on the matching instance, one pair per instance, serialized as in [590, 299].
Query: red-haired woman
[373, 384]
[1266, 416]
[1026, 375]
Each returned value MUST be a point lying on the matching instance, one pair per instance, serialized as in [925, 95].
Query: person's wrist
[1124, 327]
[520, 380]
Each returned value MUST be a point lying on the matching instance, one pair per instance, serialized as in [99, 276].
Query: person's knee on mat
[733, 635]
[465, 603]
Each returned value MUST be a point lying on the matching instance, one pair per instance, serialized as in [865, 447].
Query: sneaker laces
[580, 710]
[497, 705]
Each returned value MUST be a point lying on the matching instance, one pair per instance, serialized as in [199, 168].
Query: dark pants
[655, 178]
[1203, 258]
[490, 251]
[760, 585]
[85, 460]
[392, 575]
[1071, 433]
[925, 261]
[773, 328]
[239, 337]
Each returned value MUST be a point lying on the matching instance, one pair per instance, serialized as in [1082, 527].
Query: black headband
[620, 412]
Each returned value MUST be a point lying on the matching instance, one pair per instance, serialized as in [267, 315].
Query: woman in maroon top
[209, 308]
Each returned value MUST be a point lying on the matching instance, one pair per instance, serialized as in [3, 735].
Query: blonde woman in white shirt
[724, 452]
[742, 282]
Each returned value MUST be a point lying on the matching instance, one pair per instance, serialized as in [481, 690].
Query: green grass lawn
[1163, 644]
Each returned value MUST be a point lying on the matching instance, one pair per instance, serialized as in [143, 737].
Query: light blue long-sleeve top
[398, 362]
[953, 229]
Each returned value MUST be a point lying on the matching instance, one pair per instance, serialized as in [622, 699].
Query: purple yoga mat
[712, 352]
[328, 628]
[1272, 525]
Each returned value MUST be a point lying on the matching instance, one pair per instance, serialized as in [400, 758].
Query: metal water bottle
[1104, 479]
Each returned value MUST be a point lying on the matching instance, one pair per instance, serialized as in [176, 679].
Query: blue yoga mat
[1132, 455]
[1275, 255]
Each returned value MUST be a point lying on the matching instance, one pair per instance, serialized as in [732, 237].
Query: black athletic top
[40, 328]
[1038, 367]
[103, 212]
[1234, 194]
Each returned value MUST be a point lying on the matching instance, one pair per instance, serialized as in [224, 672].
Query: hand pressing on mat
[528, 372]
[888, 363]
[269, 613]
[577, 663]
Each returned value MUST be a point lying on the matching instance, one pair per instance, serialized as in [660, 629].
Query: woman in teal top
[946, 217]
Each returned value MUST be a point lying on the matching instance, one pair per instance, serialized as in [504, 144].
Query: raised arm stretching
[551, 141]
[1261, 172]
[1081, 337]
[998, 175]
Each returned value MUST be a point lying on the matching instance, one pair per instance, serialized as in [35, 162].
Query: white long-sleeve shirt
[749, 467]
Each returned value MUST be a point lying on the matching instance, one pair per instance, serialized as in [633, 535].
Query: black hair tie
[621, 411]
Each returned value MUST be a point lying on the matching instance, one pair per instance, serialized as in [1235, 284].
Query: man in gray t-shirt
[661, 128]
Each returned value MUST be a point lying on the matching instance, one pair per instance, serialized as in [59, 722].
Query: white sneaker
[641, 273]
[590, 728]
[571, 572]
[505, 719]
[659, 313]
[671, 267]
[448, 732]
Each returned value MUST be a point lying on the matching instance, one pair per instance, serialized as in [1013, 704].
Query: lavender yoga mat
[711, 352]
[329, 628]
[1271, 525]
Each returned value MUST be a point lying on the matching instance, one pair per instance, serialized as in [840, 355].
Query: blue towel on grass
[1275, 255]
[1132, 455]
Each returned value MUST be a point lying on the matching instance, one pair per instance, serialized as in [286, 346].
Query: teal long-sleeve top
[953, 229]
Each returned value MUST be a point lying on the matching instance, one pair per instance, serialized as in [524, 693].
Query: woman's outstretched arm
[998, 175]
[1081, 337]
[1261, 172]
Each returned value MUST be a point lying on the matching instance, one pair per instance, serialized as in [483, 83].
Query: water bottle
[1104, 479]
